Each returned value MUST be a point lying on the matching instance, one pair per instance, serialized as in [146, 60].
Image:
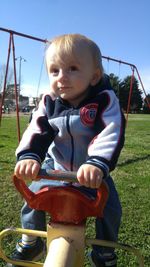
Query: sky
[121, 28]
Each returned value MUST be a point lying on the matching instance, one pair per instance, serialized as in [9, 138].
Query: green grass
[131, 177]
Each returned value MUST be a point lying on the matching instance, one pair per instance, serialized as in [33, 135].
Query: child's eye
[54, 71]
[73, 68]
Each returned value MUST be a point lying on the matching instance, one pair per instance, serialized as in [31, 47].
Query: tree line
[138, 103]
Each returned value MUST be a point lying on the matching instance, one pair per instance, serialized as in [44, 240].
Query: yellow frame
[67, 242]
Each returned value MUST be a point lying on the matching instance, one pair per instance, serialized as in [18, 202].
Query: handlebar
[58, 175]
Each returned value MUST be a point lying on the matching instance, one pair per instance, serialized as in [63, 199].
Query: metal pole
[15, 87]
[23, 35]
[19, 75]
[146, 98]
[5, 79]
[130, 93]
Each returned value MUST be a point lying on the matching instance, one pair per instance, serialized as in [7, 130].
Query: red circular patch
[88, 114]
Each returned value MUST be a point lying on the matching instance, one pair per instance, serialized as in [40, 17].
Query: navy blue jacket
[91, 133]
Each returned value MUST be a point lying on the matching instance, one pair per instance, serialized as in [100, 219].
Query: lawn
[131, 178]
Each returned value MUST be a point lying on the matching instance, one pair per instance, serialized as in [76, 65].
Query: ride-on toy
[69, 209]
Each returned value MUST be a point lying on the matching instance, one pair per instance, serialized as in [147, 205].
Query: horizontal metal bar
[67, 176]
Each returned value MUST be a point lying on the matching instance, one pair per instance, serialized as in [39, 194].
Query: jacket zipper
[72, 143]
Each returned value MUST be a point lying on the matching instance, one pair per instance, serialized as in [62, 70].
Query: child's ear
[96, 77]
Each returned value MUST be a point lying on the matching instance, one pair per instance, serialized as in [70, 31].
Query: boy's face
[69, 75]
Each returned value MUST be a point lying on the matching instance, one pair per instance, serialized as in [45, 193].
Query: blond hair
[68, 44]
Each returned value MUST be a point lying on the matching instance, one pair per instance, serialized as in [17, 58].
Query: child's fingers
[35, 170]
[89, 176]
[27, 169]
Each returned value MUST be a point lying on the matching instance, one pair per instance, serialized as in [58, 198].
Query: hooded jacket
[92, 133]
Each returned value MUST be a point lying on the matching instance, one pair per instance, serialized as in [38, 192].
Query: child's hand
[90, 176]
[27, 169]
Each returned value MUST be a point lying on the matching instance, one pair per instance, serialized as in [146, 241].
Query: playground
[131, 177]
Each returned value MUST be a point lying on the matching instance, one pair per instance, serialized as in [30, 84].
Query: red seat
[64, 204]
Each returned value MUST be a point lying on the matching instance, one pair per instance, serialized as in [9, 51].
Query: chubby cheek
[53, 85]
[83, 80]
[82, 85]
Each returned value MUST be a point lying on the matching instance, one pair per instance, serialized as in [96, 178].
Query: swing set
[11, 47]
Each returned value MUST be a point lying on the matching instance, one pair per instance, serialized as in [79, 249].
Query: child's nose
[62, 75]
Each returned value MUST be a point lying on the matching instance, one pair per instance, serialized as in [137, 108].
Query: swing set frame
[11, 46]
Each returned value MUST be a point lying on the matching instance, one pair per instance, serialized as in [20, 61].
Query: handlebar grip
[66, 176]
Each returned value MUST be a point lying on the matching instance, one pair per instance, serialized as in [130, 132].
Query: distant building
[24, 102]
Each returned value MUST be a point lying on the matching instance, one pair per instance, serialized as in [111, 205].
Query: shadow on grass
[130, 161]
[5, 136]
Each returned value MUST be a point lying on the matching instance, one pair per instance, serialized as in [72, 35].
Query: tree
[146, 108]
[115, 83]
[2, 77]
[136, 96]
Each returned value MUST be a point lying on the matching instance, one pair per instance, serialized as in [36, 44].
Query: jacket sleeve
[105, 148]
[37, 137]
